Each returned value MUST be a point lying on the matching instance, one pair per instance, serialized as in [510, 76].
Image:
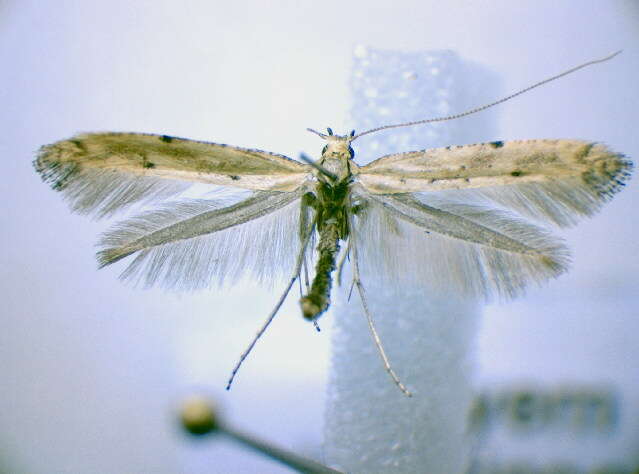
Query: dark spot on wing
[147, 164]
[166, 138]
[481, 161]
[516, 173]
[234, 177]
[497, 144]
[78, 143]
[583, 152]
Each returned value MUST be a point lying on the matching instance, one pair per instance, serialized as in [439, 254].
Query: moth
[462, 216]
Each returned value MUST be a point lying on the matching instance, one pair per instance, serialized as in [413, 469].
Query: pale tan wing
[548, 179]
[102, 172]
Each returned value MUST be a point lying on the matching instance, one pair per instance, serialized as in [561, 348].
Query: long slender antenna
[378, 343]
[296, 273]
[484, 107]
[320, 134]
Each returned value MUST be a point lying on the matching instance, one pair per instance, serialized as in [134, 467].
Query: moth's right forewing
[103, 172]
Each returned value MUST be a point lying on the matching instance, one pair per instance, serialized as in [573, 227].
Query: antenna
[487, 106]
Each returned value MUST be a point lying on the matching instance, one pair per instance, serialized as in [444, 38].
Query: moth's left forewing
[549, 179]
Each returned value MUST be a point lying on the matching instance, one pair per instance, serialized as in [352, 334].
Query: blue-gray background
[91, 369]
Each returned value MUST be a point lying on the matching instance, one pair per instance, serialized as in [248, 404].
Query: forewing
[191, 244]
[472, 249]
[551, 180]
[103, 172]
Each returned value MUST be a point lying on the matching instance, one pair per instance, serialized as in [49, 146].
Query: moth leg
[342, 261]
[355, 209]
[306, 284]
[309, 203]
[303, 273]
[306, 278]
[271, 316]
[378, 342]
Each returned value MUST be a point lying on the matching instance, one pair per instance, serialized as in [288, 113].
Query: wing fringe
[101, 192]
[191, 245]
[562, 203]
[477, 251]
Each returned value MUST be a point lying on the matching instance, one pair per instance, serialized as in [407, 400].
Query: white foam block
[429, 336]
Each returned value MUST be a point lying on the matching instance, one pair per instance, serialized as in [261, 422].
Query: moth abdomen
[318, 298]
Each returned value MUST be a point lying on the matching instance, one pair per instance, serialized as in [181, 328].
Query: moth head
[337, 145]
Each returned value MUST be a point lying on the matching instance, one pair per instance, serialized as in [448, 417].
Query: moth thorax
[335, 156]
[337, 166]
